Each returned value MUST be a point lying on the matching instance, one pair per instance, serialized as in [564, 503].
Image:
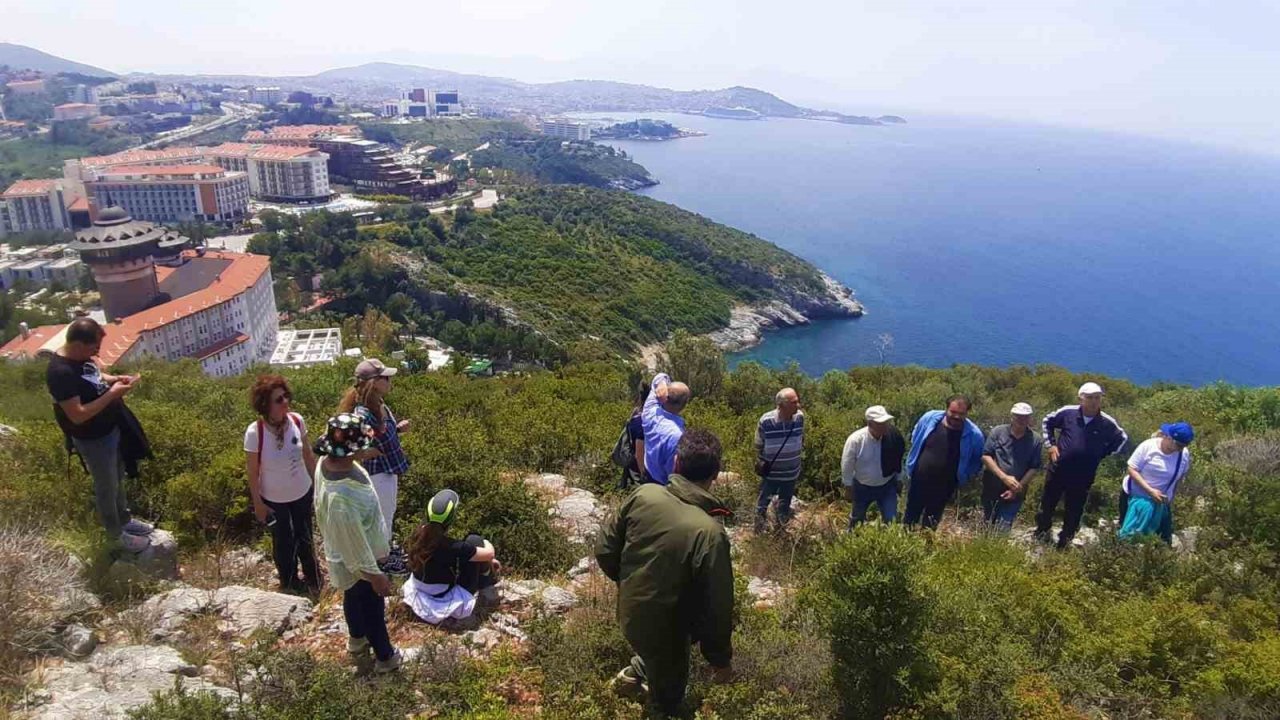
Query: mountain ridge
[23, 57]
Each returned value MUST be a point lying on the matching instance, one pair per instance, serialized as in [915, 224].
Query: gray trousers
[102, 457]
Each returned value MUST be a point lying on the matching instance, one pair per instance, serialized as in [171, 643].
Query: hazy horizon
[1177, 69]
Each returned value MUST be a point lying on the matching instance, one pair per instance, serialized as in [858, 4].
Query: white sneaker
[134, 543]
[138, 527]
[391, 664]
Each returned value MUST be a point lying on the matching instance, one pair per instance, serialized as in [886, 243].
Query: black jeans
[473, 576]
[1076, 492]
[366, 615]
[927, 499]
[292, 541]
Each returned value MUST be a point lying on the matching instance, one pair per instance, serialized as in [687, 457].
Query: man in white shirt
[871, 465]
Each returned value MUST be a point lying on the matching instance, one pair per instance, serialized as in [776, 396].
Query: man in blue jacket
[946, 450]
[1079, 437]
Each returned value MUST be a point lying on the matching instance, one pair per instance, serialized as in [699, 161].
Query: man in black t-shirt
[88, 405]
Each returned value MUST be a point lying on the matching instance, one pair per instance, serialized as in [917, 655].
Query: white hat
[1091, 388]
[1022, 409]
[877, 413]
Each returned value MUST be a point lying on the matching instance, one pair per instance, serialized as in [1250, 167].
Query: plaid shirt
[387, 439]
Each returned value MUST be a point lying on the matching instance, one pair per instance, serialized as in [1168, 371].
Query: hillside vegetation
[882, 623]
[570, 262]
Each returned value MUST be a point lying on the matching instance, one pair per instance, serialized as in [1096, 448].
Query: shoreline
[748, 324]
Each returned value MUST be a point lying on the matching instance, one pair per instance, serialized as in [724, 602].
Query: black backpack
[624, 451]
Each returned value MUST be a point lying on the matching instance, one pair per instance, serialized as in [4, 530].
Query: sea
[979, 241]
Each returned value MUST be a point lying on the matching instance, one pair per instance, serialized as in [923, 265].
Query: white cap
[877, 413]
[1022, 409]
[1090, 388]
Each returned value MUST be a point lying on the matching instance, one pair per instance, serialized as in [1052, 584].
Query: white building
[277, 173]
[173, 193]
[445, 103]
[568, 129]
[75, 111]
[266, 95]
[298, 348]
[36, 205]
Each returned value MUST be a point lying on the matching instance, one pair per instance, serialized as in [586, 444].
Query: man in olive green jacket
[667, 550]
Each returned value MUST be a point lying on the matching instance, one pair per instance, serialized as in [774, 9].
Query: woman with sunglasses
[280, 464]
[1155, 469]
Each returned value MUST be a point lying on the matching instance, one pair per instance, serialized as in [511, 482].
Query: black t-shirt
[939, 459]
[445, 562]
[71, 378]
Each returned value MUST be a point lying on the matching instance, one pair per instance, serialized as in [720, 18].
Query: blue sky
[1178, 68]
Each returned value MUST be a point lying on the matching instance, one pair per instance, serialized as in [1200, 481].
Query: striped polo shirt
[770, 435]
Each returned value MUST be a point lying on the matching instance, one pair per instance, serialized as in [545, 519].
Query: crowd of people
[665, 547]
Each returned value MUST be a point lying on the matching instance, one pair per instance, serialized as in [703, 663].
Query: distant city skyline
[1178, 68]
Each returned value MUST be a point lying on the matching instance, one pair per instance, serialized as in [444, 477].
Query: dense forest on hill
[553, 160]
[568, 262]
[880, 623]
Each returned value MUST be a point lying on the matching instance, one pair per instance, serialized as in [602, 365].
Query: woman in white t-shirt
[1156, 468]
[280, 465]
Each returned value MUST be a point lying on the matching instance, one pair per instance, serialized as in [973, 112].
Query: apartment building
[36, 205]
[173, 193]
[277, 173]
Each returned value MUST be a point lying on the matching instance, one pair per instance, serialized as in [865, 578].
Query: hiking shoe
[626, 684]
[357, 646]
[391, 664]
[138, 527]
[134, 543]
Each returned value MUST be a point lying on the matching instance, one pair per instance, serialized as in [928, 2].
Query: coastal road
[231, 113]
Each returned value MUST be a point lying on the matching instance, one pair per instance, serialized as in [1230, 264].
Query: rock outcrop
[242, 609]
[575, 511]
[114, 681]
[748, 323]
[158, 562]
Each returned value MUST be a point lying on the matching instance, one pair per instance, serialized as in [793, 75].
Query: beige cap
[372, 368]
[1022, 409]
[877, 413]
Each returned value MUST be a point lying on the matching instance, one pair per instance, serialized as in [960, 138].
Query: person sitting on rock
[351, 525]
[447, 574]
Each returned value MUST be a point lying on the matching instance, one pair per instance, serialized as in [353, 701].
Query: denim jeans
[927, 499]
[102, 457]
[782, 508]
[884, 497]
[997, 512]
[366, 615]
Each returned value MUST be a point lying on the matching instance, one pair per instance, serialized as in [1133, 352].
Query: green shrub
[873, 606]
[181, 704]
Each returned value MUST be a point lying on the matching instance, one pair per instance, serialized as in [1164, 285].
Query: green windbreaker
[669, 554]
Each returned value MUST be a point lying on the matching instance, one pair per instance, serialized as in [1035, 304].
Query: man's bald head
[678, 396]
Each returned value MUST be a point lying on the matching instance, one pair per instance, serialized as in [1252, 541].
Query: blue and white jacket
[1082, 446]
[971, 443]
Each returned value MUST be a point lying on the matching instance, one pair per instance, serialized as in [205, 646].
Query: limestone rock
[549, 482]
[579, 513]
[519, 592]
[158, 562]
[483, 639]
[116, 680]
[1184, 540]
[247, 609]
[557, 600]
[509, 625]
[766, 593]
[242, 609]
[583, 567]
[78, 641]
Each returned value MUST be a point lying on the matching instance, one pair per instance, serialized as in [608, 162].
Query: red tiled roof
[30, 187]
[141, 157]
[221, 345]
[263, 152]
[163, 170]
[20, 348]
[240, 276]
[80, 204]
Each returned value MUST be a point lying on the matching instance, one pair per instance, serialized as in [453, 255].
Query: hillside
[21, 57]
[377, 81]
[966, 624]
[570, 262]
